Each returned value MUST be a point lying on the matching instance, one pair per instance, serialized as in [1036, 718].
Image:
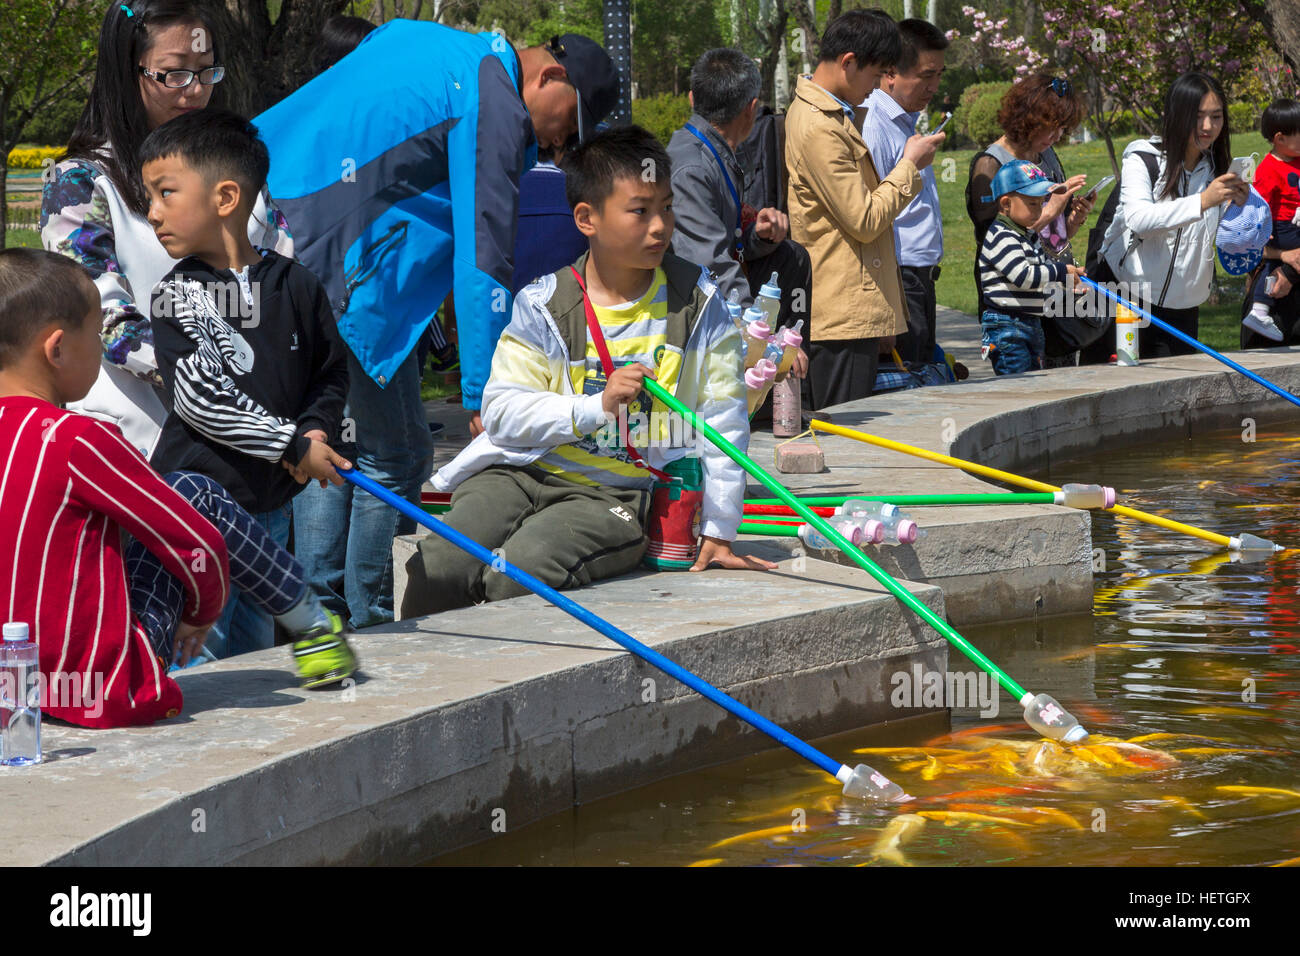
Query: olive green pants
[562, 533]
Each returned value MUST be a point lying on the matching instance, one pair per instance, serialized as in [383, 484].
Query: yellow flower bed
[35, 158]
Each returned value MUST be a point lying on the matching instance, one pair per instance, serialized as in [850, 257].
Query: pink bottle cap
[907, 531]
[873, 531]
[754, 377]
[792, 338]
[758, 329]
[1110, 497]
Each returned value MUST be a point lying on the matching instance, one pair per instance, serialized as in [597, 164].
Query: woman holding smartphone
[1161, 241]
[1035, 113]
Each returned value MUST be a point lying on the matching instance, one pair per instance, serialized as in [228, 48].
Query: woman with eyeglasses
[1173, 191]
[1035, 113]
[158, 59]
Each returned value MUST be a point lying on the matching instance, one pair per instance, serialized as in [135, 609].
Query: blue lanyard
[726, 178]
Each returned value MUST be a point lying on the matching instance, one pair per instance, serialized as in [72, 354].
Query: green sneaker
[323, 655]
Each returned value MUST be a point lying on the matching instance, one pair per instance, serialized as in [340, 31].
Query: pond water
[1187, 673]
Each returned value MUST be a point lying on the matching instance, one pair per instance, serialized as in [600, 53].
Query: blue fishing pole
[860, 781]
[1183, 336]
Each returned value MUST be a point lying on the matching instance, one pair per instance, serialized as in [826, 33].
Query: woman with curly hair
[1035, 113]
[158, 59]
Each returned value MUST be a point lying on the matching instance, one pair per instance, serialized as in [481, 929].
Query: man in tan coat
[842, 212]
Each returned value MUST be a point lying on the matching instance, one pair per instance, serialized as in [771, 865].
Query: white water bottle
[20, 705]
[769, 300]
[819, 542]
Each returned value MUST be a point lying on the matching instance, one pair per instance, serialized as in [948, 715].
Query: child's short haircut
[37, 288]
[218, 144]
[1282, 116]
[592, 168]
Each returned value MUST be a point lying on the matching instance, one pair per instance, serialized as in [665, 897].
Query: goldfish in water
[1184, 804]
[901, 830]
[953, 817]
[1260, 791]
[712, 862]
[777, 833]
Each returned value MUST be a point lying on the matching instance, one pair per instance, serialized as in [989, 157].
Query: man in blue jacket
[398, 171]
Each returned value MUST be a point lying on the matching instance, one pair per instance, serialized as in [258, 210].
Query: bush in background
[976, 115]
[34, 157]
[662, 115]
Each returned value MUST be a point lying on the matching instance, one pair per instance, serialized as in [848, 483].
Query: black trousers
[1157, 343]
[840, 371]
[793, 269]
[917, 343]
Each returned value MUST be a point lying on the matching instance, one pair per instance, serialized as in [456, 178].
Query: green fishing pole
[1042, 713]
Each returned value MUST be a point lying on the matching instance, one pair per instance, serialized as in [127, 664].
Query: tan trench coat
[843, 213]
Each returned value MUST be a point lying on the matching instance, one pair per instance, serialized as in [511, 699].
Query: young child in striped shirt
[254, 372]
[1015, 274]
[116, 571]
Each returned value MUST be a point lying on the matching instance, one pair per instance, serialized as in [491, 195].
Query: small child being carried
[1277, 179]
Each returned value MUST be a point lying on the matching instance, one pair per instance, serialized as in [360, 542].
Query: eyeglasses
[179, 79]
[1062, 87]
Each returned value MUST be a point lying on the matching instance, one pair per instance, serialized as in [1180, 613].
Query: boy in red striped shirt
[109, 611]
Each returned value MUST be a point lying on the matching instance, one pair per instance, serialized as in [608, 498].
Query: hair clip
[127, 10]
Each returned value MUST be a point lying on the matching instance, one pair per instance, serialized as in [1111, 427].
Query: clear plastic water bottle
[20, 705]
[769, 300]
[1050, 719]
[868, 784]
[898, 526]
[819, 542]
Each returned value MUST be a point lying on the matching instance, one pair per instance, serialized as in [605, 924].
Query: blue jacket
[398, 170]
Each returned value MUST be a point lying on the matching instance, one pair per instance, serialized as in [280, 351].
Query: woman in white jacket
[1161, 241]
[157, 60]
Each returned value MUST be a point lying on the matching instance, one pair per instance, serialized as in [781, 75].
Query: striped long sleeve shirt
[250, 363]
[1015, 274]
[69, 488]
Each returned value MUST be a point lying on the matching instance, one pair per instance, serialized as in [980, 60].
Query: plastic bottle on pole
[756, 334]
[769, 300]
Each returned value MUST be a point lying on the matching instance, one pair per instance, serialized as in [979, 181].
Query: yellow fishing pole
[1241, 542]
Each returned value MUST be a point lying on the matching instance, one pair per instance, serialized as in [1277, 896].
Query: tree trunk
[268, 62]
[4, 202]
[1281, 21]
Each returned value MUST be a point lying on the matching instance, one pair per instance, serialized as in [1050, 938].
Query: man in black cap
[397, 170]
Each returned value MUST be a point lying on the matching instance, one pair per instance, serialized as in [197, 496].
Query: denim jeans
[1013, 344]
[344, 536]
[266, 575]
[244, 626]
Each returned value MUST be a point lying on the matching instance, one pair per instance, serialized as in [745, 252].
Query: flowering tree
[1126, 53]
[996, 47]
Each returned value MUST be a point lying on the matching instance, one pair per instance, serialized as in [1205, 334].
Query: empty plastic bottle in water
[1050, 719]
[769, 300]
[20, 705]
[867, 784]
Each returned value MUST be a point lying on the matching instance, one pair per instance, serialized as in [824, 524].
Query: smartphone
[1244, 167]
[1096, 190]
[939, 129]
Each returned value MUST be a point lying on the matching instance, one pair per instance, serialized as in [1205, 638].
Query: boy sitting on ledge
[553, 482]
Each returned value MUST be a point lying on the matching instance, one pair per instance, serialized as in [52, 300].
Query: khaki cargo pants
[565, 534]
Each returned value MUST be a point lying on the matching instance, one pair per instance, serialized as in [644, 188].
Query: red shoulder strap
[607, 363]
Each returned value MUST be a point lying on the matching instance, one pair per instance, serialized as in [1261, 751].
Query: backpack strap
[685, 303]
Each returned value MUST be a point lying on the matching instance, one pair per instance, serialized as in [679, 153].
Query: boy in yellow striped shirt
[561, 479]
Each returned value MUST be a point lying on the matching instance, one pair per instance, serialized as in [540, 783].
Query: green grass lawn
[956, 286]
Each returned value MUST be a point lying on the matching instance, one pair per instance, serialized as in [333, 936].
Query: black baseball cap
[592, 74]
